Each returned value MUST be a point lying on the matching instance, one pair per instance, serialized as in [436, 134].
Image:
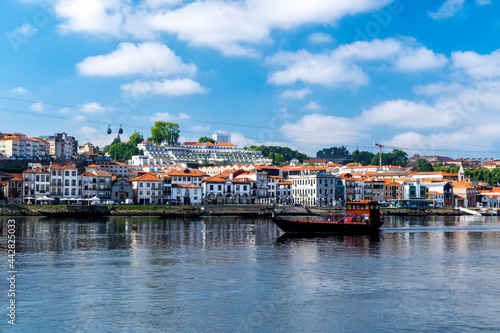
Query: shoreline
[209, 210]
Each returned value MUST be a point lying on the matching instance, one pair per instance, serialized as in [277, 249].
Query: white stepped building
[195, 152]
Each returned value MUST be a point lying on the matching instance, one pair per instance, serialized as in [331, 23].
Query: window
[66, 173]
[211, 187]
[219, 187]
[140, 184]
[148, 184]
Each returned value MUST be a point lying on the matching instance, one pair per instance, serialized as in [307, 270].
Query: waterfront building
[284, 192]
[228, 191]
[104, 180]
[272, 187]
[436, 198]
[316, 188]
[121, 190]
[464, 194]
[63, 181]
[87, 185]
[183, 185]
[444, 188]
[13, 190]
[394, 191]
[147, 189]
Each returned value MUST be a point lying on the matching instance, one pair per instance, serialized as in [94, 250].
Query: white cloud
[39, 107]
[78, 118]
[177, 87]
[317, 129]
[313, 106]
[87, 130]
[20, 90]
[101, 17]
[448, 9]
[166, 116]
[232, 27]
[477, 65]
[200, 128]
[147, 59]
[26, 30]
[295, 94]
[438, 88]
[405, 114]
[93, 108]
[419, 59]
[483, 2]
[342, 66]
[64, 110]
[320, 38]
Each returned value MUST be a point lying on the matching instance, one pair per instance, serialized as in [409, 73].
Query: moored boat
[360, 218]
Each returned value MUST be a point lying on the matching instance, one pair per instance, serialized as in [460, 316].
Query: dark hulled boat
[360, 218]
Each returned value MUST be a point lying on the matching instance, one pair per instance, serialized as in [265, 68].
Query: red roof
[146, 177]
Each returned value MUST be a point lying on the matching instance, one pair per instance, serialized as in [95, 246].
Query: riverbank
[209, 210]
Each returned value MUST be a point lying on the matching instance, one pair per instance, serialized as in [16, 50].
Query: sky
[422, 76]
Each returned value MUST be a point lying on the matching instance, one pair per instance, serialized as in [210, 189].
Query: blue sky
[421, 75]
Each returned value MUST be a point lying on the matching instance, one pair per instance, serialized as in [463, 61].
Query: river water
[147, 274]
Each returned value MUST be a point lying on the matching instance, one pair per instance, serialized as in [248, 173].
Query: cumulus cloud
[476, 65]
[342, 66]
[87, 130]
[177, 87]
[320, 38]
[316, 129]
[20, 90]
[233, 27]
[166, 116]
[147, 59]
[405, 114]
[313, 106]
[295, 94]
[448, 9]
[92, 108]
[39, 107]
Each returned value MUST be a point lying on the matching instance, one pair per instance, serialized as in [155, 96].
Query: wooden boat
[79, 212]
[360, 218]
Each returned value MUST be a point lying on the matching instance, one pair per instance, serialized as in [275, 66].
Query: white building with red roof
[147, 189]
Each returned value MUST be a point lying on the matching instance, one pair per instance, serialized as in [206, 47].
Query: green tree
[288, 154]
[135, 139]
[279, 158]
[122, 152]
[364, 157]
[116, 140]
[396, 157]
[205, 139]
[333, 152]
[425, 167]
[165, 132]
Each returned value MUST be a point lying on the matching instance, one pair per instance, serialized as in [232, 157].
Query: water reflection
[140, 274]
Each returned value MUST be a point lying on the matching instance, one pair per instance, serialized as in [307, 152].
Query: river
[147, 274]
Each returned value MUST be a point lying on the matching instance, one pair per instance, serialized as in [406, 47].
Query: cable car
[120, 131]
[109, 129]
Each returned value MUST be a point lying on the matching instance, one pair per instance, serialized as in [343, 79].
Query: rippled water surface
[136, 274]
